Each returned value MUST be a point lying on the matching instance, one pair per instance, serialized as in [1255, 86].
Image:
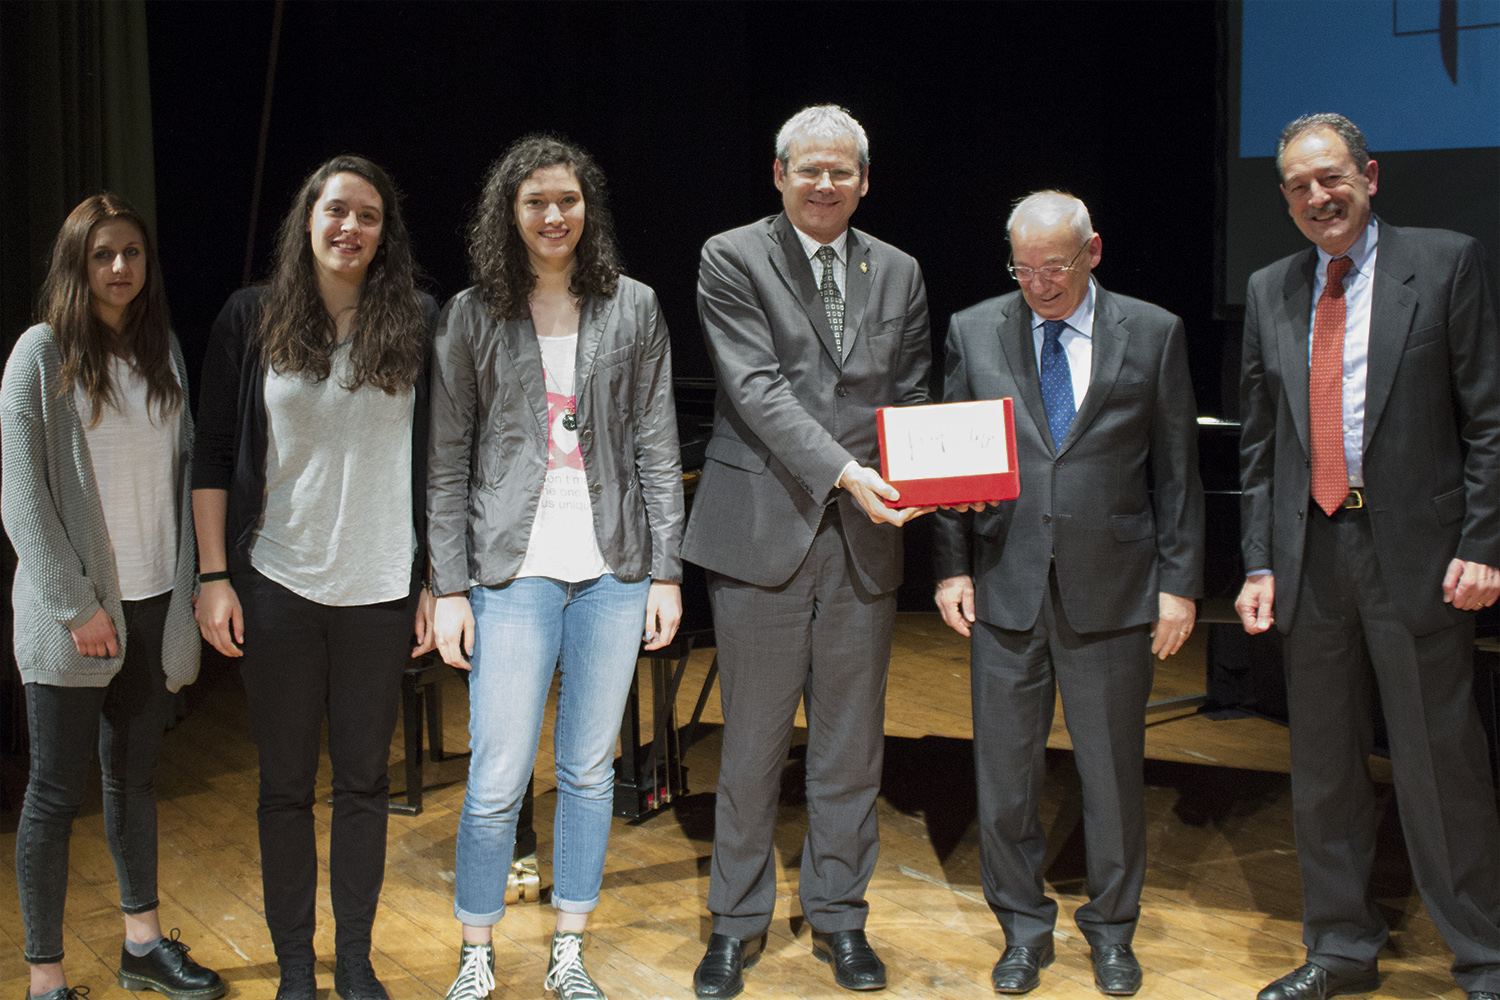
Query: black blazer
[1432, 419]
[1118, 503]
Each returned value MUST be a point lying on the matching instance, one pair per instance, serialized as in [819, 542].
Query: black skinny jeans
[127, 719]
[305, 660]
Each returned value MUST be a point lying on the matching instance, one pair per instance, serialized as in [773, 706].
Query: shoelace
[475, 978]
[567, 975]
[65, 993]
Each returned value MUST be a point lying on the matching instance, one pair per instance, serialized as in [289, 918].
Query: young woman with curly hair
[313, 410]
[96, 442]
[555, 514]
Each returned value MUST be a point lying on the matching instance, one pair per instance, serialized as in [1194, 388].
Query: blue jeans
[524, 630]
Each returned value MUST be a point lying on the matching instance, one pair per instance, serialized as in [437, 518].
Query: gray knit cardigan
[50, 505]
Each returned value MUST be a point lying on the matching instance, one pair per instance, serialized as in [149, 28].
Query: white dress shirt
[1358, 291]
[811, 247]
[1077, 340]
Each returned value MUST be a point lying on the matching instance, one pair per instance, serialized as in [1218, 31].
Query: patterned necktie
[833, 302]
[1325, 392]
[1057, 382]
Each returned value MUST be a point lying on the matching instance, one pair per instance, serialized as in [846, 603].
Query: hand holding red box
[949, 453]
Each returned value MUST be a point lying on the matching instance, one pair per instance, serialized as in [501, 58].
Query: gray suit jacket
[790, 413]
[1118, 503]
[1432, 419]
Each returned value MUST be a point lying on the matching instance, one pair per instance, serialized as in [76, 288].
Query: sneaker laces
[567, 975]
[476, 979]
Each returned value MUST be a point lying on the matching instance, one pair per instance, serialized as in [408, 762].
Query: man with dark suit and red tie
[1073, 586]
[1370, 468]
[811, 325]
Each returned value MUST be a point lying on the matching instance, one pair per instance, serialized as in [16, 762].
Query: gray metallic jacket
[487, 458]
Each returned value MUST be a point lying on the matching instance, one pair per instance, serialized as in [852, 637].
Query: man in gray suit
[1074, 585]
[811, 325]
[1370, 521]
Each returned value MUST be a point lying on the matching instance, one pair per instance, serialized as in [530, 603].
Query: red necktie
[1325, 392]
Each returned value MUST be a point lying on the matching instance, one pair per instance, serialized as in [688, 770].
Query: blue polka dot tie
[1057, 382]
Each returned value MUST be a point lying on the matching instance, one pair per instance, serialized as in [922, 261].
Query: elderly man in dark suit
[811, 325]
[1073, 586]
[1370, 466]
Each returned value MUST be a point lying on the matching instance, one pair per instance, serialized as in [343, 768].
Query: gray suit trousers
[820, 637]
[1105, 680]
[1346, 624]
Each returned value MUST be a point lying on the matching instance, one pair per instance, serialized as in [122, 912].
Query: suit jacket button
[1046, 518]
[841, 391]
[597, 488]
[1299, 515]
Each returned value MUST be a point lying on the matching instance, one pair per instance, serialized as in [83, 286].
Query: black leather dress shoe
[855, 964]
[168, 970]
[1116, 972]
[719, 975]
[1020, 968]
[1313, 982]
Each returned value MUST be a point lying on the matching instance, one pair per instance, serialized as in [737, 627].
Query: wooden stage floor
[1221, 903]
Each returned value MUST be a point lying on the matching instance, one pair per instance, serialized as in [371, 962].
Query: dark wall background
[968, 106]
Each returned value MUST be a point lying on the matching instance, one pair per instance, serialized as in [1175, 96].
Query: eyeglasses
[1049, 273]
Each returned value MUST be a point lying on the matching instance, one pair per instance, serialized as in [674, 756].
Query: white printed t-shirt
[563, 545]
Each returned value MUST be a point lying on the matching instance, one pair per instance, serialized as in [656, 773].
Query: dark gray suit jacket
[790, 414]
[1432, 419]
[1118, 503]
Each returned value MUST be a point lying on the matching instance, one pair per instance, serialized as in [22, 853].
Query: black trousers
[1105, 681]
[125, 721]
[304, 661]
[1346, 639]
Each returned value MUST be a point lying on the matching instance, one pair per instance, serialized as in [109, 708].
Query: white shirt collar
[1082, 319]
[811, 246]
[1359, 251]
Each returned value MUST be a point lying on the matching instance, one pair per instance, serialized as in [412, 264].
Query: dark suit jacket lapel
[1292, 332]
[1109, 338]
[1392, 305]
[519, 337]
[791, 263]
[1017, 343]
[858, 278]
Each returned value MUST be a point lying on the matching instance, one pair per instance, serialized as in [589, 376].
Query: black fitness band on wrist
[222, 574]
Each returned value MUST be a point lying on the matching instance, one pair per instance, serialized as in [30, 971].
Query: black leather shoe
[1483, 995]
[1313, 982]
[855, 964]
[168, 970]
[1116, 972]
[1020, 968]
[718, 976]
[298, 982]
[354, 979]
